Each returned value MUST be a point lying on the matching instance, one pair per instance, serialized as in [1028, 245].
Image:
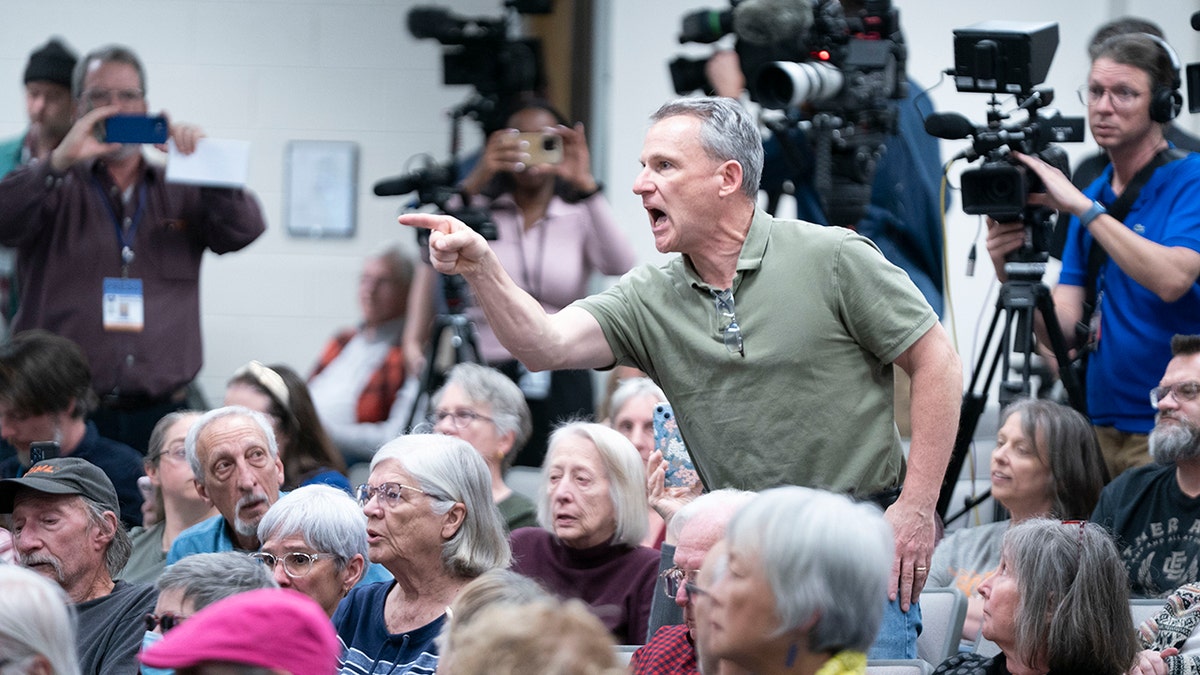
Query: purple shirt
[67, 244]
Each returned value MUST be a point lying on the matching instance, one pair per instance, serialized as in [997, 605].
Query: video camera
[1005, 57]
[485, 53]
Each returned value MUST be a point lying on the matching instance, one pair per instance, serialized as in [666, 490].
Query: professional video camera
[485, 53]
[837, 74]
[1004, 57]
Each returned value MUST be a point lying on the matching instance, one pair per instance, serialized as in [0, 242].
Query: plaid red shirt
[669, 652]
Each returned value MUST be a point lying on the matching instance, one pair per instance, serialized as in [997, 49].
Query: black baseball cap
[62, 476]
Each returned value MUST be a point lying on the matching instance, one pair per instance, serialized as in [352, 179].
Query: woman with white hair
[802, 587]
[432, 524]
[592, 511]
[37, 625]
[314, 539]
[486, 409]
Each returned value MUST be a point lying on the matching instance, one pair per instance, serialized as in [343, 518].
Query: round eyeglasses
[295, 564]
[166, 620]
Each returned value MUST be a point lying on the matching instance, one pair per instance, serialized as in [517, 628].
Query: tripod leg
[1058, 343]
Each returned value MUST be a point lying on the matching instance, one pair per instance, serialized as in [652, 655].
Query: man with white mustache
[1154, 511]
[236, 462]
[65, 527]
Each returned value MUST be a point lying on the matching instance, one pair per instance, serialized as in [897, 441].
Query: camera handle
[1020, 297]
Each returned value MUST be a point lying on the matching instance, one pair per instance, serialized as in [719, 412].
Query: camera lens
[549, 142]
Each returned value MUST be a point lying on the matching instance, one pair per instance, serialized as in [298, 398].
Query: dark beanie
[52, 62]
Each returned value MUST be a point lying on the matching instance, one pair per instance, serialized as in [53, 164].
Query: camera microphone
[768, 22]
[434, 174]
[950, 126]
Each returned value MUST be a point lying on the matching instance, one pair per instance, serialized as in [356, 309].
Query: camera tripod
[1020, 297]
[453, 327]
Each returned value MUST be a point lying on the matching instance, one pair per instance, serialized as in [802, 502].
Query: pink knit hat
[270, 628]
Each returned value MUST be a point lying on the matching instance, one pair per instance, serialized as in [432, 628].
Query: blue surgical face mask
[148, 640]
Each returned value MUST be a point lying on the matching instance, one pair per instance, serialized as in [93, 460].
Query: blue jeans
[898, 632]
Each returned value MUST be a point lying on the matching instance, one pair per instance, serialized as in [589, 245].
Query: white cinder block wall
[271, 72]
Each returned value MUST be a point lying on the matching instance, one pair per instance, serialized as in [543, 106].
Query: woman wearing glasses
[308, 454]
[1046, 463]
[315, 541]
[486, 409]
[1058, 603]
[592, 511]
[432, 524]
[178, 506]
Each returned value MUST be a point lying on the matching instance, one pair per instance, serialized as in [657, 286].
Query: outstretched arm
[571, 338]
[936, 374]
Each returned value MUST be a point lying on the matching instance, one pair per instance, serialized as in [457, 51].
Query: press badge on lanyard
[122, 300]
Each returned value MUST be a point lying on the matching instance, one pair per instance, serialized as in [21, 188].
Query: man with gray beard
[65, 527]
[236, 463]
[1153, 511]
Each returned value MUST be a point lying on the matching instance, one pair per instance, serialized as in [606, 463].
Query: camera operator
[1146, 289]
[555, 229]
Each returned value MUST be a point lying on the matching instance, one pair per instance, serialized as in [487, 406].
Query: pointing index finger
[428, 221]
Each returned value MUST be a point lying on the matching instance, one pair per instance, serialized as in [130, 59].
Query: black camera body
[1010, 58]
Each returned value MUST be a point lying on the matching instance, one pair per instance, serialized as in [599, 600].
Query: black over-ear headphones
[1166, 102]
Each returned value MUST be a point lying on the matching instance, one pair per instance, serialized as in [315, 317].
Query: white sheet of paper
[217, 162]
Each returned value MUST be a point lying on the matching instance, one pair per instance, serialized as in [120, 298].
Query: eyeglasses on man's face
[100, 97]
[1182, 391]
[296, 564]
[673, 578]
[1120, 96]
[389, 494]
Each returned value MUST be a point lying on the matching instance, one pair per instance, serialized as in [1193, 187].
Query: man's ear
[731, 174]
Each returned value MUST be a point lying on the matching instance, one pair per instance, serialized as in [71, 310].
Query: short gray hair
[494, 587]
[727, 132]
[399, 263]
[626, 479]
[1073, 612]
[632, 388]
[121, 547]
[211, 416]
[510, 412]
[36, 619]
[727, 500]
[450, 471]
[327, 518]
[106, 54]
[205, 578]
[824, 556]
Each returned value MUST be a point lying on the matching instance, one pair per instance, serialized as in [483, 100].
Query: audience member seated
[37, 628]
[1154, 511]
[179, 506]
[616, 376]
[431, 522]
[271, 630]
[1046, 463]
[544, 637]
[64, 522]
[198, 581]
[803, 585]
[276, 391]
[1167, 638]
[493, 587]
[1058, 603]
[556, 230]
[486, 409]
[358, 385]
[632, 406]
[592, 511]
[702, 523]
[315, 541]
[46, 395]
[233, 455]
